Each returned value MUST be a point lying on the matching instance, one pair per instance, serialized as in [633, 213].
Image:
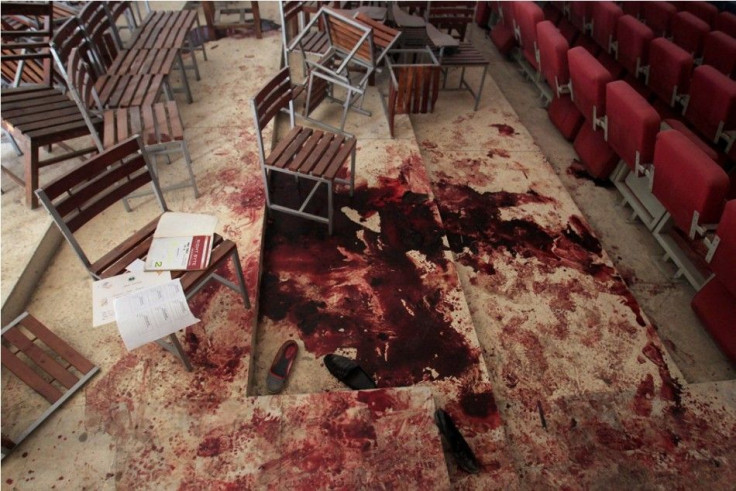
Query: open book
[182, 241]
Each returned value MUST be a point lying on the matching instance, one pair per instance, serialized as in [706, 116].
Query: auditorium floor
[472, 271]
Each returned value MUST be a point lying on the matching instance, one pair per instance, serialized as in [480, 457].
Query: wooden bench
[45, 363]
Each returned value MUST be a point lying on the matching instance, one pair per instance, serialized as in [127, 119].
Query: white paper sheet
[104, 292]
[152, 314]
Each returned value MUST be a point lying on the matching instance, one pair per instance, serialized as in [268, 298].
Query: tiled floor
[462, 275]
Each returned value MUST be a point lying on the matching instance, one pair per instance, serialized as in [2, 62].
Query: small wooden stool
[161, 130]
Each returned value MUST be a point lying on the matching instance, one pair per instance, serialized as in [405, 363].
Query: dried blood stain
[362, 288]
[504, 129]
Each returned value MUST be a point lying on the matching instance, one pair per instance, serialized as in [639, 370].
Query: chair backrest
[580, 14]
[67, 37]
[670, 68]
[605, 17]
[719, 51]
[711, 107]
[632, 124]
[553, 48]
[451, 16]
[351, 39]
[723, 262]
[703, 10]
[588, 79]
[726, 22]
[633, 39]
[82, 194]
[81, 80]
[688, 32]
[97, 25]
[528, 15]
[658, 16]
[27, 43]
[277, 94]
[686, 180]
[384, 37]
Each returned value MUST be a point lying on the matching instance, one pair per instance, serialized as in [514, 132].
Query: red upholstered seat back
[605, 17]
[658, 16]
[633, 42]
[527, 15]
[719, 51]
[723, 263]
[687, 180]
[632, 123]
[726, 22]
[553, 49]
[580, 13]
[589, 80]
[703, 10]
[688, 32]
[670, 68]
[712, 101]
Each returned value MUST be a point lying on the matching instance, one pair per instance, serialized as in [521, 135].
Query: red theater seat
[719, 51]
[670, 68]
[726, 22]
[693, 189]
[552, 11]
[715, 303]
[581, 15]
[703, 10]
[632, 126]
[688, 32]
[658, 16]
[588, 79]
[553, 49]
[502, 34]
[632, 40]
[527, 15]
[711, 108]
[632, 8]
[605, 17]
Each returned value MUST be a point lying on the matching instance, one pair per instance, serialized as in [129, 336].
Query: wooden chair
[314, 42]
[45, 363]
[84, 193]
[159, 124]
[313, 155]
[355, 44]
[40, 115]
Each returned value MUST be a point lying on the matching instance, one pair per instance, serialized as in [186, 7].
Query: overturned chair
[78, 197]
[313, 155]
[355, 44]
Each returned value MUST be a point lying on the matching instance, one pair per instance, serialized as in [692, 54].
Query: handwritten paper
[152, 314]
[105, 291]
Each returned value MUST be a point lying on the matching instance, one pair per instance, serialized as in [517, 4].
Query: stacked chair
[646, 92]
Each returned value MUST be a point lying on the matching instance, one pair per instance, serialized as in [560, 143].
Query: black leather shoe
[460, 450]
[348, 372]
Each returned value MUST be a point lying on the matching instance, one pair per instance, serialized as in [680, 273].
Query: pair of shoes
[281, 367]
[460, 450]
[349, 372]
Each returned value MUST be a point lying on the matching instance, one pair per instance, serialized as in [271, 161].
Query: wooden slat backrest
[81, 78]
[451, 15]
[101, 181]
[345, 37]
[66, 38]
[47, 362]
[273, 97]
[384, 37]
[96, 23]
[24, 42]
[291, 9]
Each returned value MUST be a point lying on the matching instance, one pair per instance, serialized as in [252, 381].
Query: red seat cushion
[595, 154]
[503, 38]
[565, 116]
[589, 80]
[633, 39]
[703, 10]
[687, 180]
[670, 68]
[716, 308]
[712, 102]
[678, 125]
[633, 123]
[580, 14]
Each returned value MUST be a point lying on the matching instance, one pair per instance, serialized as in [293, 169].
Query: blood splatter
[671, 389]
[644, 395]
[504, 129]
[579, 172]
[364, 289]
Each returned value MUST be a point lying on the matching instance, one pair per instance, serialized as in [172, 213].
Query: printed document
[182, 241]
[105, 291]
